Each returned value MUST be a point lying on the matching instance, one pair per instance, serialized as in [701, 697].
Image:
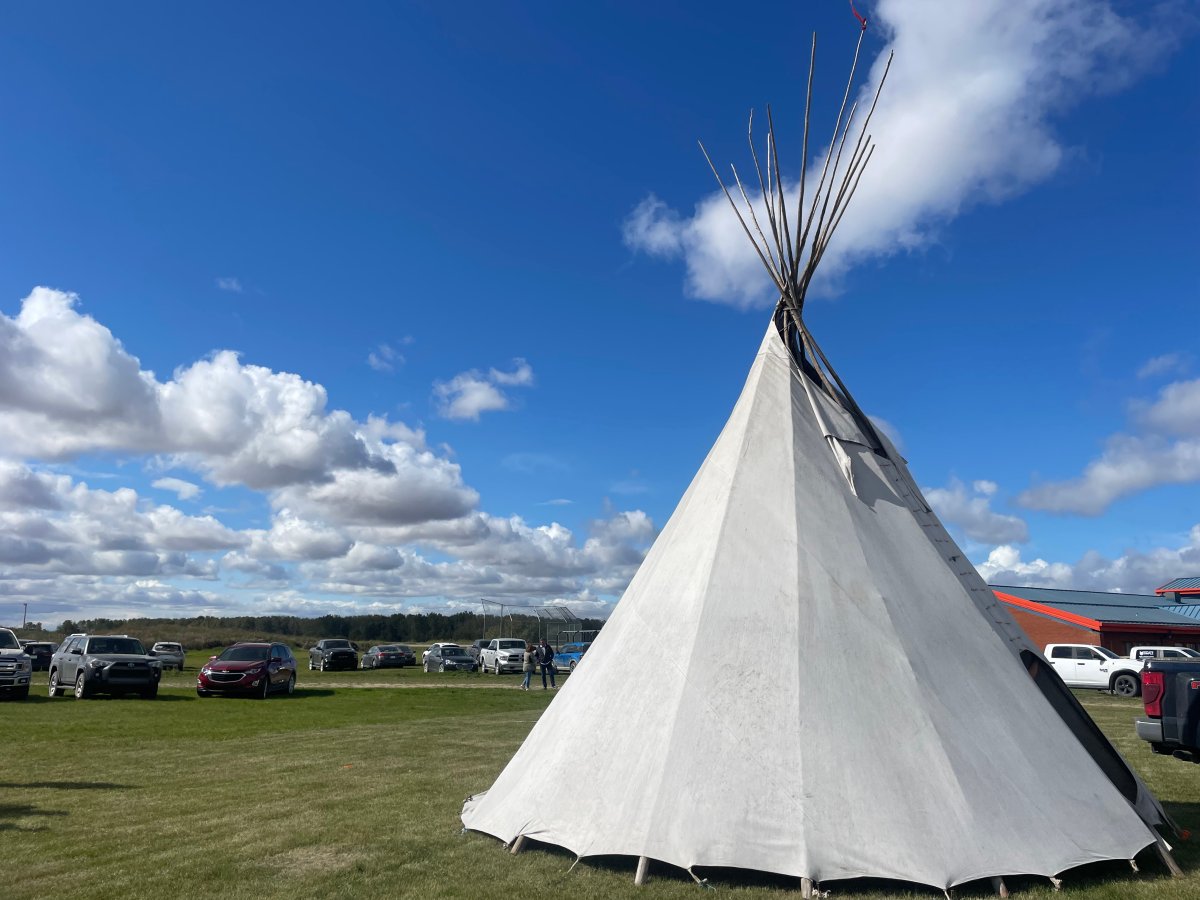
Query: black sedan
[388, 656]
[449, 658]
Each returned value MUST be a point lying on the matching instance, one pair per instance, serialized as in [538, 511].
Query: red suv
[249, 668]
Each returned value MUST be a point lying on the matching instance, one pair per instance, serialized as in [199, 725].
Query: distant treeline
[416, 628]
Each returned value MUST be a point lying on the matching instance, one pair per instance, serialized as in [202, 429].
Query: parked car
[16, 668]
[104, 664]
[569, 655]
[1089, 666]
[449, 657]
[385, 656]
[476, 648]
[255, 668]
[39, 652]
[332, 653]
[502, 655]
[170, 654]
[1144, 653]
[432, 647]
[1171, 696]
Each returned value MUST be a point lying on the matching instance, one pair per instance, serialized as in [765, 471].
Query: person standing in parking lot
[545, 660]
[527, 665]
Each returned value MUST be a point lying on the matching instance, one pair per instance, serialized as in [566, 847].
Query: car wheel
[1126, 685]
[496, 667]
[310, 665]
[321, 664]
[265, 690]
[426, 667]
[81, 690]
[55, 688]
[291, 686]
[571, 666]
[150, 693]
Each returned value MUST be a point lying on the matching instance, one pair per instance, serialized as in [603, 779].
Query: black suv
[333, 653]
[104, 664]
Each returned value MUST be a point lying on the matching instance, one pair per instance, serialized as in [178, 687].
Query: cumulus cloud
[470, 394]
[1134, 572]
[185, 490]
[970, 510]
[232, 285]
[1165, 449]
[50, 524]
[965, 118]
[69, 387]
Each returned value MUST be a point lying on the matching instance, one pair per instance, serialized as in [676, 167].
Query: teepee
[806, 676]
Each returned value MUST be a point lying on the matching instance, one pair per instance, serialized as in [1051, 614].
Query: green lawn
[353, 792]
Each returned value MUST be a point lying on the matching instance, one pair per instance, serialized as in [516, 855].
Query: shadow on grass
[298, 694]
[10, 813]
[67, 785]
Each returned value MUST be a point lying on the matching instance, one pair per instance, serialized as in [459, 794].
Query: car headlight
[97, 663]
[24, 665]
[254, 670]
[206, 671]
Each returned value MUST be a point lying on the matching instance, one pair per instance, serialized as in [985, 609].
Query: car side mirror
[276, 659]
[211, 658]
[152, 653]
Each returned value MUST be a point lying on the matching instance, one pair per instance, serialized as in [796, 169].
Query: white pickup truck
[502, 655]
[1089, 666]
[1141, 654]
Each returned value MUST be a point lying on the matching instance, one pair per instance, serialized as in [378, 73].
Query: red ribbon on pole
[861, 18]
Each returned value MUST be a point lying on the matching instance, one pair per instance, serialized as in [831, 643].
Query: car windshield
[336, 645]
[244, 654]
[169, 647]
[453, 652]
[8, 641]
[389, 649]
[512, 645]
[404, 648]
[116, 645]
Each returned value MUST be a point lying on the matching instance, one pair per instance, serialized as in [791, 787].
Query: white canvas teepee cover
[806, 677]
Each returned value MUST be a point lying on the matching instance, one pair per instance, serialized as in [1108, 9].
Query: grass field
[351, 791]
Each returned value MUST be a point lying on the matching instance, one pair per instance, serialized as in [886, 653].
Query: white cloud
[1166, 364]
[185, 490]
[1166, 451]
[232, 285]
[972, 512]
[470, 394]
[1134, 572]
[68, 387]
[965, 118]
[385, 358]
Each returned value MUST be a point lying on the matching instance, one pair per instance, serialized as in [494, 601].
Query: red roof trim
[1161, 592]
[1050, 611]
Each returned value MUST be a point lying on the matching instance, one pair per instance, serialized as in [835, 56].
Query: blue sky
[403, 305]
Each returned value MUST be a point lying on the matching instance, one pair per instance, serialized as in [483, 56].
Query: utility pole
[24, 613]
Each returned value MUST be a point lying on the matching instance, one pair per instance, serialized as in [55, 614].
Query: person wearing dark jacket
[544, 654]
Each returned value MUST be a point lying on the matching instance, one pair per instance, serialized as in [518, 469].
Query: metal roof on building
[1101, 606]
[1180, 584]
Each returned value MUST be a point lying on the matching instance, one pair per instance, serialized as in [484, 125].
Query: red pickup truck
[1171, 695]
